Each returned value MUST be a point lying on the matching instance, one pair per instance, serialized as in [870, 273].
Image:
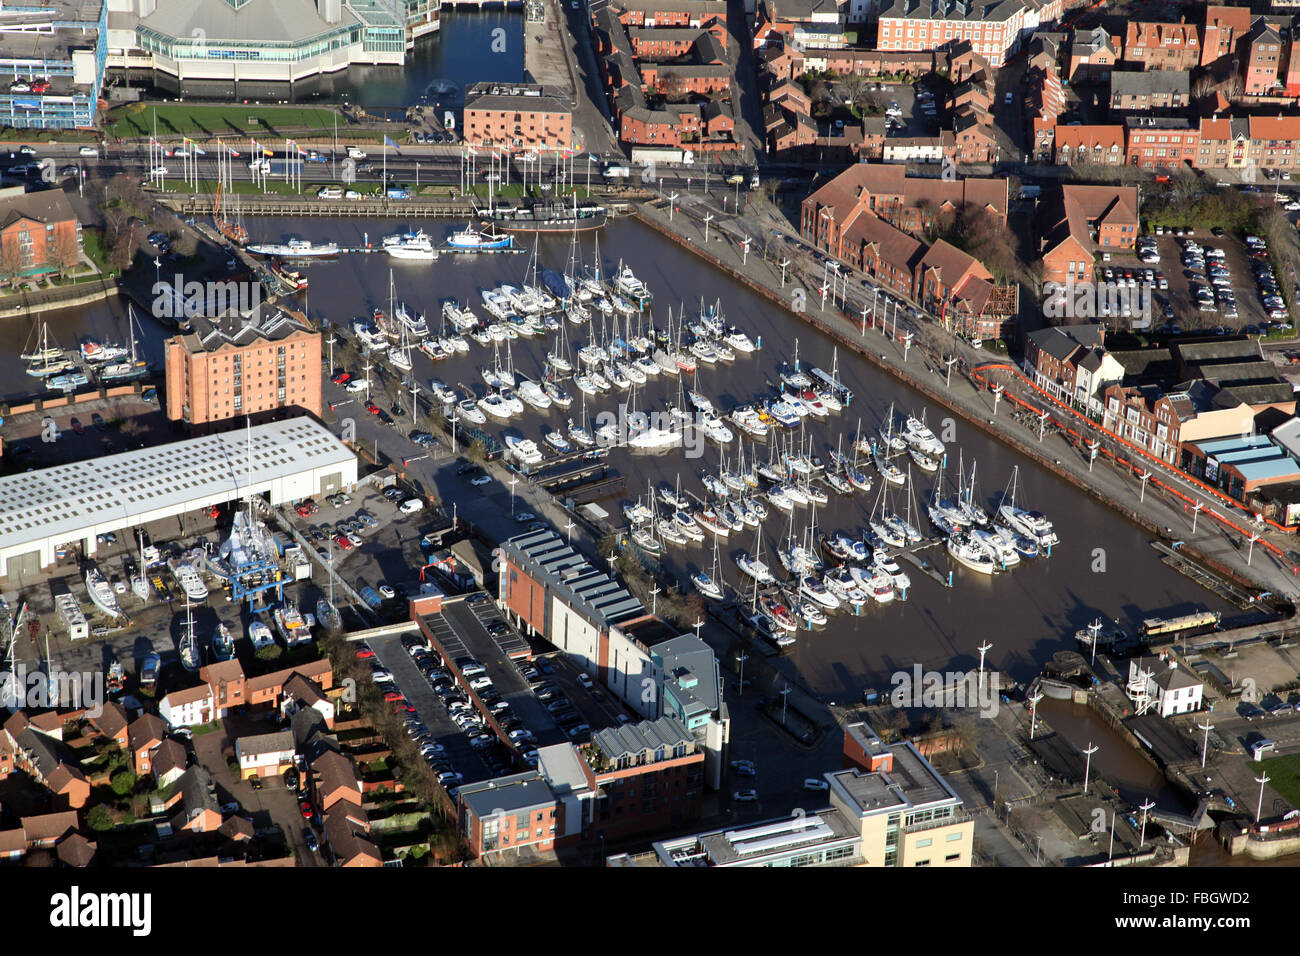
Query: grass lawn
[186, 119]
[202, 729]
[92, 241]
[1283, 776]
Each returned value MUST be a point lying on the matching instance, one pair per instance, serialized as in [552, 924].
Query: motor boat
[469, 410]
[524, 450]
[260, 635]
[223, 644]
[755, 568]
[968, 553]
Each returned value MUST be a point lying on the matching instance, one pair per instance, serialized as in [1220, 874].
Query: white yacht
[101, 593]
[525, 450]
[970, 554]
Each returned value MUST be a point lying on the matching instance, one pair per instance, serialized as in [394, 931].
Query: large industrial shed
[71, 504]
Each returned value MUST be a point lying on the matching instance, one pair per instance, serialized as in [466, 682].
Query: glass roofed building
[265, 40]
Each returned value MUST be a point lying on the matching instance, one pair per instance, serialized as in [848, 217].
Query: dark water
[1115, 760]
[469, 47]
[1104, 566]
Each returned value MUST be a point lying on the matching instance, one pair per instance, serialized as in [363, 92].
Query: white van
[411, 505]
[330, 192]
[356, 153]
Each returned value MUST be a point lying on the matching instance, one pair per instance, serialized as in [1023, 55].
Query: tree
[672, 87]
[64, 254]
[11, 262]
[123, 782]
[99, 818]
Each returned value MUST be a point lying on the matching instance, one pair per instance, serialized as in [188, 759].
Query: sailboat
[134, 366]
[139, 583]
[49, 360]
[710, 585]
[189, 642]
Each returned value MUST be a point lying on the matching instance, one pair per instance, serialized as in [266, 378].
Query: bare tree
[11, 262]
[63, 253]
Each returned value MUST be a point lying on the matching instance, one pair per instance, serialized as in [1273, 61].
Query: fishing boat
[260, 635]
[968, 553]
[295, 249]
[115, 679]
[223, 645]
[470, 239]
[291, 624]
[190, 582]
[101, 593]
[558, 442]
[328, 616]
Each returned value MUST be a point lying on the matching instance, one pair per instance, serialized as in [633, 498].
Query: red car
[41, 86]
[305, 807]
[343, 542]
[394, 696]
[372, 408]
[403, 708]
[303, 511]
[364, 653]
[342, 378]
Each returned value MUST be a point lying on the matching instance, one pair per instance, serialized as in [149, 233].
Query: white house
[1166, 688]
[264, 755]
[187, 708]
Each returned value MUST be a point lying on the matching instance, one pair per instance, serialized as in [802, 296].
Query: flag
[233, 152]
[300, 150]
[197, 151]
[389, 142]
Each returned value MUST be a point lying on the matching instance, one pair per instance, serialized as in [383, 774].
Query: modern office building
[52, 58]
[903, 810]
[230, 366]
[824, 838]
[265, 40]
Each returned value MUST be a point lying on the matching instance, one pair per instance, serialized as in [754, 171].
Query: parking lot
[1214, 287]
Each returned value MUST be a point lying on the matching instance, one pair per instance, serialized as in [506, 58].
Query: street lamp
[741, 660]
[514, 480]
[785, 700]
[1087, 765]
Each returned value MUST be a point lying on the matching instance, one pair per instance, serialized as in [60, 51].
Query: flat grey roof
[511, 794]
[912, 783]
[751, 845]
[67, 499]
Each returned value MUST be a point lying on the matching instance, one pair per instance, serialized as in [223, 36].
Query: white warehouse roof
[74, 502]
